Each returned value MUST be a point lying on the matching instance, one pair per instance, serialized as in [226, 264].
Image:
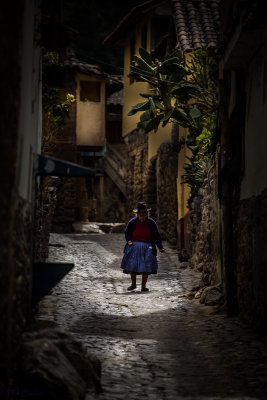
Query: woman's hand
[130, 243]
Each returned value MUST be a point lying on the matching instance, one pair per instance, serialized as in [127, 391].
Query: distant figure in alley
[140, 252]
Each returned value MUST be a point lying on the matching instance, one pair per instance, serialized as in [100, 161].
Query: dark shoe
[145, 289]
[132, 287]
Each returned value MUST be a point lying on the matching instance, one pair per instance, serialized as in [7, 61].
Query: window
[90, 91]
[144, 37]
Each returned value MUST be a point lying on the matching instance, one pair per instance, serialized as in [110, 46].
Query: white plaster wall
[255, 179]
[29, 138]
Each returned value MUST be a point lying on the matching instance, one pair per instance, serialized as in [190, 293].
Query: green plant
[201, 149]
[56, 104]
[170, 92]
[55, 107]
[186, 94]
[204, 67]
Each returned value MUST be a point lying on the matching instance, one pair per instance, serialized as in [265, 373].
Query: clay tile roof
[116, 98]
[82, 66]
[196, 23]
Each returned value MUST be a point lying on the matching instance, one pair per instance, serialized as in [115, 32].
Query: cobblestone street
[152, 345]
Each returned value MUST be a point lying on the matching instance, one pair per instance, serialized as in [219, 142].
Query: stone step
[98, 227]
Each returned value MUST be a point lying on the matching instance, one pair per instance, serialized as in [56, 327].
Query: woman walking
[140, 252]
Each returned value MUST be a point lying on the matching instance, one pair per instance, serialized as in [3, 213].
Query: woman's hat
[141, 209]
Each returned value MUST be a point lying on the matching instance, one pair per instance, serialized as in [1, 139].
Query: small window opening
[90, 91]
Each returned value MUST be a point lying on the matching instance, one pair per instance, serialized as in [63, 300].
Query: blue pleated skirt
[139, 259]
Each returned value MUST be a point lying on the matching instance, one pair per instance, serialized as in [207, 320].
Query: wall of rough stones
[166, 172]
[15, 273]
[204, 232]
[20, 277]
[114, 203]
[136, 167]
[65, 209]
[150, 189]
[45, 203]
[250, 253]
[15, 214]
[153, 182]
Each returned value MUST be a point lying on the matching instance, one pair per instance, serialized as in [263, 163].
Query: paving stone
[152, 345]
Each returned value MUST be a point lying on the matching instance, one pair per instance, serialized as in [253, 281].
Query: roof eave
[115, 37]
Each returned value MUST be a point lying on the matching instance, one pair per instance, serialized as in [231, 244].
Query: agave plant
[169, 94]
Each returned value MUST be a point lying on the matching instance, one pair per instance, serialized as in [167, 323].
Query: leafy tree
[201, 149]
[203, 65]
[170, 92]
[56, 105]
[186, 94]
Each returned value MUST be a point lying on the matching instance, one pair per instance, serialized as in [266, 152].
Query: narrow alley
[154, 345]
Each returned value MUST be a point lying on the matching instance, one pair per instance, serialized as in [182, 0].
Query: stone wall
[65, 149]
[150, 189]
[113, 205]
[137, 166]
[203, 228]
[20, 272]
[153, 182]
[66, 206]
[166, 171]
[46, 195]
[15, 274]
[250, 253]
[14, 213]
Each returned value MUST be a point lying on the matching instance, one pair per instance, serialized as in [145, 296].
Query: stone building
[205, 229]
[21, 165]
[196, 26]
[228, 217]
[156, 160]
[20, 143]
[145, 26]
[243, 162]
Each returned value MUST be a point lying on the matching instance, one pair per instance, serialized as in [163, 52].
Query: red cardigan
[141, 232]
